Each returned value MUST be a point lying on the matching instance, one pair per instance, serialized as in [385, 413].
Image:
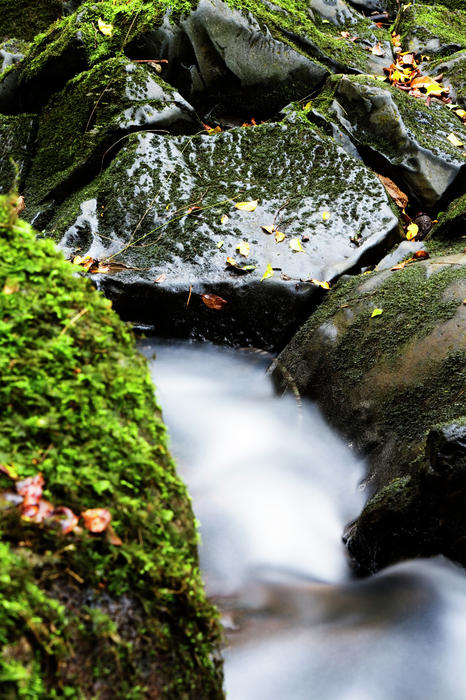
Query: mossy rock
[385, 358]
[453, 70]
[17, 135]
[165, 248]
[262, 54]
[452, 223]
[79, 616]
[401, 136]
[23, 19]
[86, 122]
[428, 29]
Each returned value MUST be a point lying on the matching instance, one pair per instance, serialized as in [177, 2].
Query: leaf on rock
[223, 219]
[220, 244]
[295, 244]
[377, 50]
[247, 206]
[324, 285]
[212, 301]
[399, 197]
[243, 249]
[268, 272]
[96, 519]
[269, 229]
[412, 231]
[376, 312]
[455, 140]
[104, 28]
[396, 39]
[326, 215]
[421, 254]
[161, 278]
[279, 236]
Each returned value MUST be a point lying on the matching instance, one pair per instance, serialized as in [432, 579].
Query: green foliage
[77, 404]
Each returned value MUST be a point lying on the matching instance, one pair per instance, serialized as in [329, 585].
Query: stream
[273, 487]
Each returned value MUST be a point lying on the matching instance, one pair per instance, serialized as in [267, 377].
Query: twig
[73, 321]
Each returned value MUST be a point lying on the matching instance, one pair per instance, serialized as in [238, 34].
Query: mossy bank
[81, 617]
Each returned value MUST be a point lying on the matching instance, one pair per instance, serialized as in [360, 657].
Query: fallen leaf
[212, 301]
[247, 206]
[243, 249]
[461, 113]
[400, 198]
[104, 28]
[161, 278]
[307, 107]
[84, 262]
[412, 231]
[295, 244]
[30, 489]
[220, 244]
[64, 518]
[42, 511]
[326, 215]
[9, 471]
[421, 254]
[279, 236]
[396, 39]
[224, 219]
[112, 537]
[96, 519]
[231, 262]
[377, 50]
[269, 229]
[268, 272]
[455, 140]
[376, 312]
[324, 285]
[11, 286]
[212, 130]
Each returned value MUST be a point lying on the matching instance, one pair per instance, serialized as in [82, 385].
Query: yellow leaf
[325, 215]
[243, 249]
[247, 206]
[295, 244]
[268, 272]
[455, 140]
[220, 244]
[412, 231]
[224, 219]
[106, 29]
[268, 229]
[279, 236]
[376, 312]
[324, 285]
[307, 106]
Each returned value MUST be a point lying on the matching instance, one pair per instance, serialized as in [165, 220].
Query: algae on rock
[80, 616]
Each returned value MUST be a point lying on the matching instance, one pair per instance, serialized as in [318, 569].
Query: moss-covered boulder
[24, 19]
[402, 137]
[428, 29]
[452, 223]
[453, 71]
[385, 357]
[172, 193]
[119, 613]
[17, 134]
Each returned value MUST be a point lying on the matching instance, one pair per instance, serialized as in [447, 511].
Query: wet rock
[452, 223]
[446, 449]
[402, 137]
[11, 52]
[423, 29]
[386, 381]
[402, 251]
[16, 137]
[453, 70]
[137, 212]
[85, 123]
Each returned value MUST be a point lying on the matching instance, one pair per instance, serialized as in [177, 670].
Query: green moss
[425, 28]
[23, 19]
[16, 136]
[78, 405]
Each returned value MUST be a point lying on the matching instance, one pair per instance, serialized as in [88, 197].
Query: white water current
[273, 486]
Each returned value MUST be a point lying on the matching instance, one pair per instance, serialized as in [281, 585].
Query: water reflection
[273, 487]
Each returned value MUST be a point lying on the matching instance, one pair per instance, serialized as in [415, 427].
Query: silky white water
[273, 486]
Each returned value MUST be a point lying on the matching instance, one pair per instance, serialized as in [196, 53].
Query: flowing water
[273, 486]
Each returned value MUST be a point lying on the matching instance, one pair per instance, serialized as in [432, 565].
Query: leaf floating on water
[104, 28]
[247, 206]
[212, 301]
[96, 519]
[376, 312]
[412, 231]
[295, 244]
[224, 219]
[243, 249]
[325, 215]
[455, 140]
[279, 236]
[268, 272]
